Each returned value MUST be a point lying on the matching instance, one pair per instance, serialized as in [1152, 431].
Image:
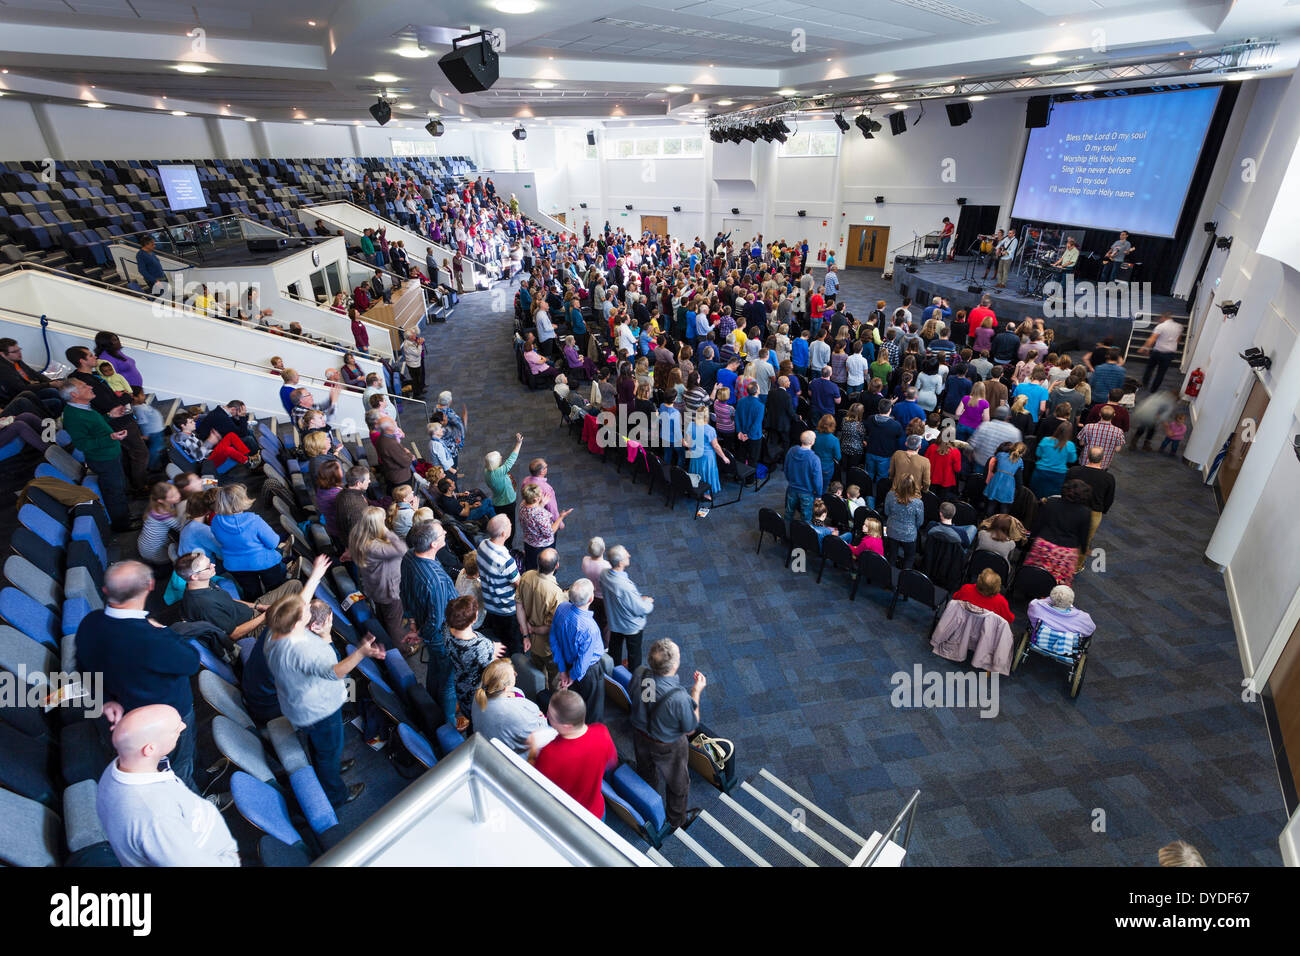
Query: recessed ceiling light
[179, 113]
[975, 99]
[543, 85]
[406, 106]
[674, 89]
[514, 6]
[900, 106]
[413, 53]
[311, 23]
[1061, 24]
[1044, 60]
[884, 78]
[466, 119]
[308, 123]
[384, 78]
[191, 68]
[726, 102]
[1086, 88]
[319, 120]
[786, 92]
[97, 106]
[250, 119]
[889, 96]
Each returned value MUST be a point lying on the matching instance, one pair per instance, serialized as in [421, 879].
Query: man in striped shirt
[499, 577]
[1103, 434]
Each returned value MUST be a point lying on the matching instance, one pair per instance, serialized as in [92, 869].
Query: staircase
[1138, 335]
[765, 822]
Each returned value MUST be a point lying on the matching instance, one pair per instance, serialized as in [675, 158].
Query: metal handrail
[905, 818]
[206, 357]
[181, 307]
[397, 225]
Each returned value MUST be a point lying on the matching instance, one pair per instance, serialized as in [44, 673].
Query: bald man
[142, 661]
[150, 816]
[803, 474]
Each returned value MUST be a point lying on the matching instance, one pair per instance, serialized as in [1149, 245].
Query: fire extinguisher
[821, 254]
[1194, 382]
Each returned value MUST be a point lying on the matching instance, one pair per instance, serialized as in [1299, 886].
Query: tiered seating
[65, 224]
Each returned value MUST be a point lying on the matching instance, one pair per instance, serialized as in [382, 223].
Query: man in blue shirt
[957, 387]
[152, 275]
[937, 305]
[803, 474]
[908, 408]
[799, 353]
[1035, 392]
[832, 283]
[824, 394]
[728, 374]
[708, 367]
[426, 590]
[749, 423]
[1108, 375]
[577, 649]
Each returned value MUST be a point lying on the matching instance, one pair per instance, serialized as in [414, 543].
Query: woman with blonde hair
[377, 553]
[904, 515]
[401, 513]
[503, 713]
[250, 550]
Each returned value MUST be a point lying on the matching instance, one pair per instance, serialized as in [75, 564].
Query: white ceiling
[603, 58]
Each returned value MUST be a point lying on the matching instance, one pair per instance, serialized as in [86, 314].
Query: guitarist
[1115, 256]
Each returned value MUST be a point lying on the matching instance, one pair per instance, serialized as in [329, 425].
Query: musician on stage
[1006, 251]
[945, 237]
[991, 252]
[1068, 258]
[1115, 256]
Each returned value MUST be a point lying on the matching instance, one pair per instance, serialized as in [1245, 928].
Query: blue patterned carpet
[1158, 746]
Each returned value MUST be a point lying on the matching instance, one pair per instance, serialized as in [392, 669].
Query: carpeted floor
[1158, 746]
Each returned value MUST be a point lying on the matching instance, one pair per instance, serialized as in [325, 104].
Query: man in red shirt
[817, 302]
[980, 313]
[576, 760]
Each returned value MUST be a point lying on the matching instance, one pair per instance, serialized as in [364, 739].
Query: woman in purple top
[984, 335]
[972, 412]
[109, 346]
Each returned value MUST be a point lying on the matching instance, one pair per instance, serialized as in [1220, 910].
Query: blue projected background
[181, 183]
[1116, 162]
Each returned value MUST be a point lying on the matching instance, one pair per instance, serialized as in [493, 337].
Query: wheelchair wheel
[1076, 681]
[1021, 653]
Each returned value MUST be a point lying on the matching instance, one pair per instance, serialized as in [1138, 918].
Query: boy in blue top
[1035, 390]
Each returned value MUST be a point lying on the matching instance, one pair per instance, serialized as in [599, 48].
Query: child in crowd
[819, 522]
[161, 525]
[401, 513]
[1175, 431]
[873, 538]
[151, 425]
[853, 497]
[114, 381]
[1001, 480]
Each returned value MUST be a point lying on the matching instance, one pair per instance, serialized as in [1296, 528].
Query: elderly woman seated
[1060, 626]
[537, 365]
[577, 363]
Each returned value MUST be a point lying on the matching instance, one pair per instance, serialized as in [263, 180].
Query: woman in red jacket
[986, 593]
[945, 466]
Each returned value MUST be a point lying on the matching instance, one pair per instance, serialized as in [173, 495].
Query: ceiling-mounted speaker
[1039, 112]
[472, 68]
[958, 113]
[897, 122]
[880, 200]
[802, 213]
[381, 111]
[434, 127]
[582, 205]
[591, 137]
[735, 210]
[677, 208]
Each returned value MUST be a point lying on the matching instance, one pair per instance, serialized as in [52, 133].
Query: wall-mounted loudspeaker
[958, 113]
[1039, 112]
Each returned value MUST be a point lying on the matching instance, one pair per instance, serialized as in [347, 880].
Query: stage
[1080, 311]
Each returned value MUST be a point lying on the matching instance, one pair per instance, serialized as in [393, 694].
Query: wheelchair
[1076, 660]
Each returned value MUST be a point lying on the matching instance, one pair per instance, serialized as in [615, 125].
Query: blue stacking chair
[637, 803]
[416, 744]
[263, 806]
[31, 617]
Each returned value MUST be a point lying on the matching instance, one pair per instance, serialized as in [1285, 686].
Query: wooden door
[559, 217]
[868, 247]
[655, 224]
[1242, 438]
[1282, 715]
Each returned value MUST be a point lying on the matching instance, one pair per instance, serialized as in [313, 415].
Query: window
[811, 144]
[677, 147]
[408, 147]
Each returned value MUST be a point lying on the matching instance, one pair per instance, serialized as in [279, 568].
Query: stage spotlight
[841, 122]
[867, 125]
[382, 111]
[434, 127]
[520, 133]
[781, 127]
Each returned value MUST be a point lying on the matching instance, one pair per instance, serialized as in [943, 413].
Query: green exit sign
[869, 218]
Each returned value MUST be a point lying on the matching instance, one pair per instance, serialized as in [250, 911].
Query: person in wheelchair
[1056, 624]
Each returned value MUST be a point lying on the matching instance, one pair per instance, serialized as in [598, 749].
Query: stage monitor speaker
[958, 113]
[472, 68]
[591, 137]
[1039, 112]
[902, 290]
[897, 122]
[268, 244]
[977, 289]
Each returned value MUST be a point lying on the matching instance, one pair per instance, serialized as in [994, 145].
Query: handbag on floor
[713, 758]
